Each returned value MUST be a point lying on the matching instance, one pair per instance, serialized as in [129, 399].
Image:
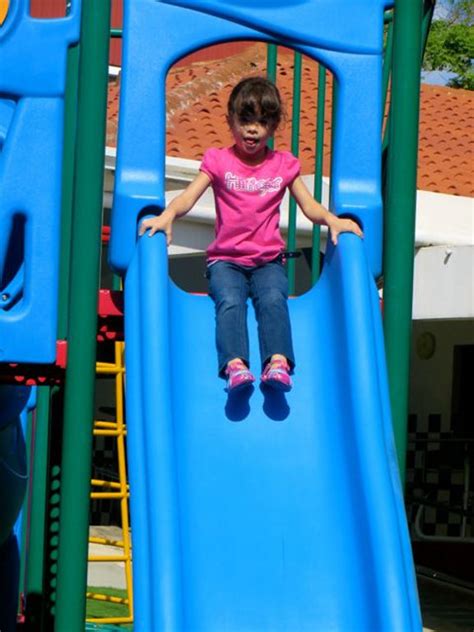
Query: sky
[438, 77]
[441, 9]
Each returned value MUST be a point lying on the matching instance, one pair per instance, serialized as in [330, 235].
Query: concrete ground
[445, 608]
[108, 574]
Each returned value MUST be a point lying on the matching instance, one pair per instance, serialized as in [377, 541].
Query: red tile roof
[196, 106]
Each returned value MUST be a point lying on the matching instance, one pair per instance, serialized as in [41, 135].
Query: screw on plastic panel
[4, 6]
[5, 297]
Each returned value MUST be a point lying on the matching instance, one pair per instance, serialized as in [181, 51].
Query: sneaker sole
[276, 385]
[240, 387]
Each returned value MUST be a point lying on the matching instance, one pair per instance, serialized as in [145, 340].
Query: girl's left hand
[339, 225]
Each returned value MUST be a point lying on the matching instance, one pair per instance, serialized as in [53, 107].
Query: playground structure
[346, 289]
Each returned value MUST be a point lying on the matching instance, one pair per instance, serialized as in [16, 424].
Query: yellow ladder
[115, 490]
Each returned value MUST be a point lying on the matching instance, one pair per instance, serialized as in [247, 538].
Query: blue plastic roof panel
[316, 23]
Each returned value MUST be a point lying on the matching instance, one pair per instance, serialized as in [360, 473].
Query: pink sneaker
[238, 376]
[277, 375]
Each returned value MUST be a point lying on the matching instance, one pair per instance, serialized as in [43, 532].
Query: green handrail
[84, 275]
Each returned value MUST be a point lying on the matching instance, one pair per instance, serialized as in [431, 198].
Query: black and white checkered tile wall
[439, 480]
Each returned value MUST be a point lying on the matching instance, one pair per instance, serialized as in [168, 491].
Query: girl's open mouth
[251, 142]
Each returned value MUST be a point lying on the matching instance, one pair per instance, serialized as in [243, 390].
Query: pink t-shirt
[248, 204]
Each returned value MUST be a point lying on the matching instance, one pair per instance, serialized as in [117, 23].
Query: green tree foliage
[450, 45]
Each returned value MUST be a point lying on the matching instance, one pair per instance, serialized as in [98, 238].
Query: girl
[245, 258]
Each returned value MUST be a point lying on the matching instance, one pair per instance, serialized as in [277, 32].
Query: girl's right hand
[160, 223]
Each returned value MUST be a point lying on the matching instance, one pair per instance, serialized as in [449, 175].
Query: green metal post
[335, 101]
[80, 372]
[35, 561]
[428, 10]
[26, 503]
[318, 169]
[70, 121]
[295, 146]
[272, 58]
[387, 60]
[400, 207]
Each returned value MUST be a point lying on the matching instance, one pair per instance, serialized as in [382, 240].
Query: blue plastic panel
[32, 83]
[33, 51]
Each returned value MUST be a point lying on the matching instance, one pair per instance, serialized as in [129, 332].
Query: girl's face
[251, 138]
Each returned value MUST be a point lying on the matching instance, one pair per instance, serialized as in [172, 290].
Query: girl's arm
[318, 214]
[178, 207]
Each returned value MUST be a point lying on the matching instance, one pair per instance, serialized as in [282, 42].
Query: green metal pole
[272, 58]
[26, 505]
[400, 208]
[34, 586]
[295, 145]
[70, 121]
[318, 170]
[80, 372]
[387, 61]
[335, 101]
[429, 6]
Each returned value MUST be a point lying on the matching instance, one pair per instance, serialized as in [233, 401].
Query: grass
[105, 609]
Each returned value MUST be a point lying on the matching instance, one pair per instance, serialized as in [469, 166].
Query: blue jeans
[230, 285]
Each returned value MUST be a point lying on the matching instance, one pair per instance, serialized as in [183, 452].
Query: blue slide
[268, 513]
[265, 512]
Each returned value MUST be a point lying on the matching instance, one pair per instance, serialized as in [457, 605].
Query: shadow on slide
[267, 512]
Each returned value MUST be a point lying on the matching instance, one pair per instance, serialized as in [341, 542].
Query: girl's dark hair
[255, 98]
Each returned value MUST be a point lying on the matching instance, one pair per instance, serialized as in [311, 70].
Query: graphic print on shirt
[252, 185]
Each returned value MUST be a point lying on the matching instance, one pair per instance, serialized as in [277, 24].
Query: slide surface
[267, 512]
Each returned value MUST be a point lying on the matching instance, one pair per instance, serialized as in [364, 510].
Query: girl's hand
[160, 223]
[343, 225]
